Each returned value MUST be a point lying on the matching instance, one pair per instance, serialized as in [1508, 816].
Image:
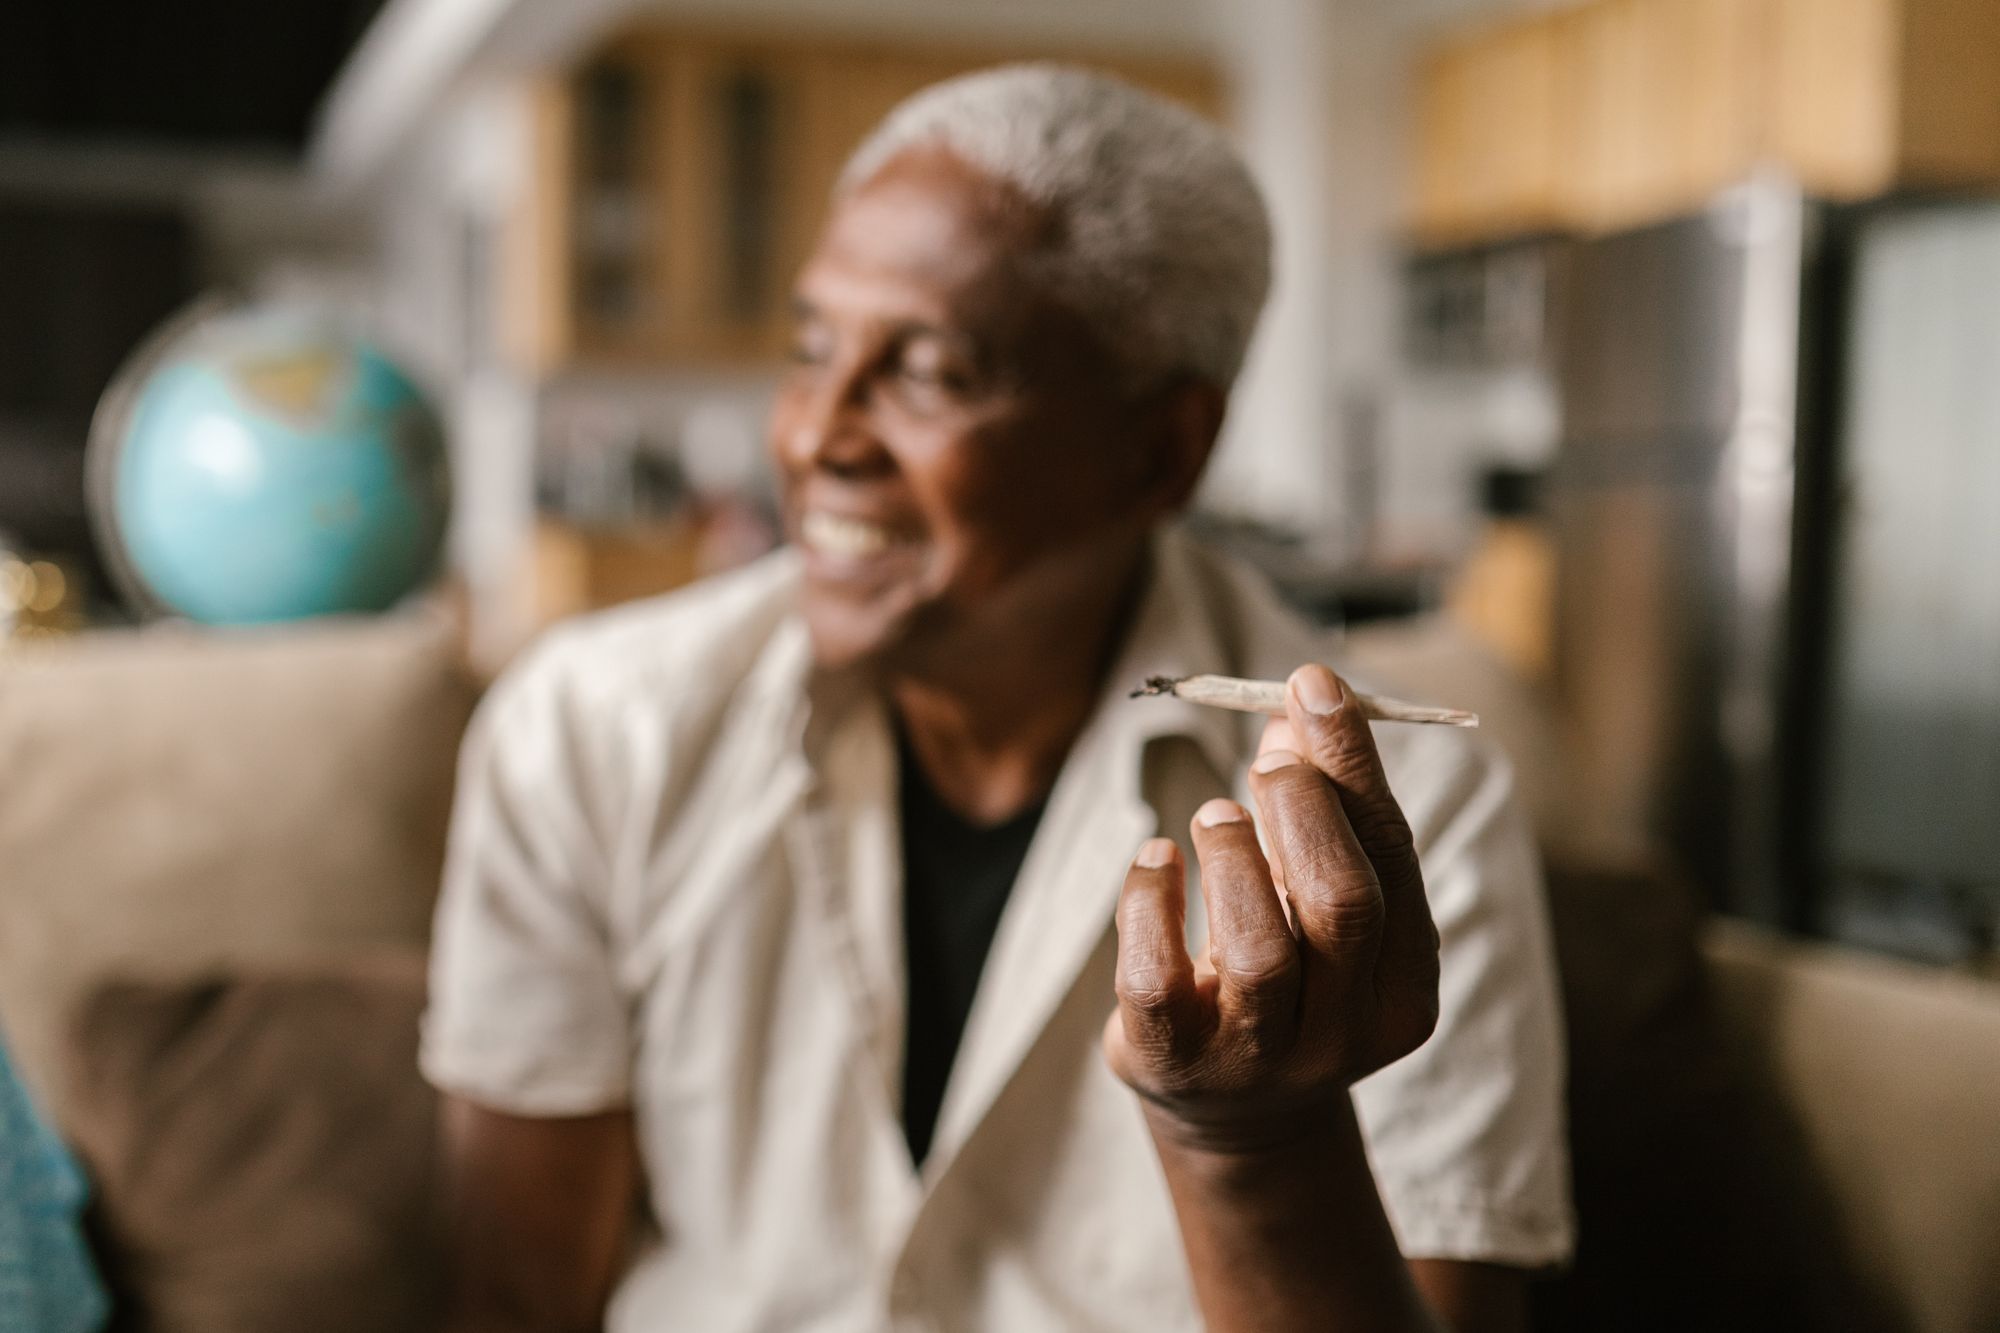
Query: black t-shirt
[956, 876]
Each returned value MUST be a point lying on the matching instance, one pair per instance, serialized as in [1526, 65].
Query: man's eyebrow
[917, 328]
[804, 308]
[902, 330]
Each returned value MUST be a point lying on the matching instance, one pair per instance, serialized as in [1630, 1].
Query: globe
[252, 465]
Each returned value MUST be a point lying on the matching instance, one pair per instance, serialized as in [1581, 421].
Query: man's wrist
[1282, 1222]
[1241, 1151]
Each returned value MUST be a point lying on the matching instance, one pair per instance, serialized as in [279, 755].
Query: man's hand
[1293, 1007]
[1322, 967]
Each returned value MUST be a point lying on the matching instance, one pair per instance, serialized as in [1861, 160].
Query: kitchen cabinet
[1486, 117]
[1869, 96]
[1616, 113]
[1659, 107]
[679, 179]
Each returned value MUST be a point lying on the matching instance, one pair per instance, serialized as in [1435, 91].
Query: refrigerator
[1908, 835]
[1776, 512]
[1672, 500]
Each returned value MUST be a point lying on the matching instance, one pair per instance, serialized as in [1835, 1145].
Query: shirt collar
[1178, 631]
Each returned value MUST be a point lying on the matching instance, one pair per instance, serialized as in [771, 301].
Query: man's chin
[848, 635]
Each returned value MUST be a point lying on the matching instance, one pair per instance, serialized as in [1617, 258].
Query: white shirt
[674, 884]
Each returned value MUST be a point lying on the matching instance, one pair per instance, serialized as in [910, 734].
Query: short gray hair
[1163, 243]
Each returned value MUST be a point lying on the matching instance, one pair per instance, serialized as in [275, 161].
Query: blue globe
[262, 465]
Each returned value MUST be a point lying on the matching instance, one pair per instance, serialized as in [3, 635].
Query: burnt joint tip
[1155, 686]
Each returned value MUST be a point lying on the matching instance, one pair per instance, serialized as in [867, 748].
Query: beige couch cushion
[264, 1152]
[1887, 1077]
[176, 800]
[1695, 1207]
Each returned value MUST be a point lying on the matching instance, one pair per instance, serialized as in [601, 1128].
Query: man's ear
[1188, 417]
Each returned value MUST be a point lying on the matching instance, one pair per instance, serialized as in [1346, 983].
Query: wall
[538, 31]
[256, 221]
[1434, 429]
[436, 232]
[103, 243]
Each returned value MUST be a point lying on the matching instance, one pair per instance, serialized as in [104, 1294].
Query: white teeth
[846, 538]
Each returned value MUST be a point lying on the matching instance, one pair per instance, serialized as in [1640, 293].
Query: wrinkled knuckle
[1259, 964]
[1147, 996]
[1328, 865]
[1294, 786]
[1344, 746]
[1354, 915]
[1380, 824]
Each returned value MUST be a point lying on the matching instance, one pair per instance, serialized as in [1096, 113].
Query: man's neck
[992, 728]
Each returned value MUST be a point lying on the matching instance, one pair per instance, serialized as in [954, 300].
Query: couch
[218, 855]
[217, 861]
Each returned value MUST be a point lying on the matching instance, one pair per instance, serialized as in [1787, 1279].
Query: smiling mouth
[846, 540]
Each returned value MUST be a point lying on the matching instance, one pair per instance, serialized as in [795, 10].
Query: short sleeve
[525, 1013]
[1467, 1136]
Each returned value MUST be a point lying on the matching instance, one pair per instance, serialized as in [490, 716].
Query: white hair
[1162, 243]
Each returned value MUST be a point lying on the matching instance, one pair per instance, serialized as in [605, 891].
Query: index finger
[1327, 721]
[1324, 713]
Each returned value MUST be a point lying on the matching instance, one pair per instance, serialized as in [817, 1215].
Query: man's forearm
[541, 1210]
[1289, 1235]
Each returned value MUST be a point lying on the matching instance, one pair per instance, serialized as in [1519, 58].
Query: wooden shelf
[680, 178]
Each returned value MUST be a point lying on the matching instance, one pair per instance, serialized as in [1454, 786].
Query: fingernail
[1317, 690]
[1221, 810]
[1156, 853]
[1272, 760]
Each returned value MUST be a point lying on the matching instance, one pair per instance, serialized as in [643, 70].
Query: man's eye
[810, 348]
[929, 372]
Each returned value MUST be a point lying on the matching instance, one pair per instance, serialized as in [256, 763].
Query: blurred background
[1652, 336]
[1631, 374]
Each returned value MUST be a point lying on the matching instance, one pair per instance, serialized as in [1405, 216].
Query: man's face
[954, 455]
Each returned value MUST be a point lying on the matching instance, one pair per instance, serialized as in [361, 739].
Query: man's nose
[829, 424]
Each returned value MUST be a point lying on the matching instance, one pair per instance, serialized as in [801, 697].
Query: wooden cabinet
[1619, 112]
[664, 176]
[572, 569]
[1866, 96]
[1659, 106]
[1591, 118]
[1487, 119]
[1614, 130]
[681, 177]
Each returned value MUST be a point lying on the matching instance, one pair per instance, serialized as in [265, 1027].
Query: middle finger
[1255, 954]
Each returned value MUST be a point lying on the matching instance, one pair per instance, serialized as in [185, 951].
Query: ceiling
[195, 73]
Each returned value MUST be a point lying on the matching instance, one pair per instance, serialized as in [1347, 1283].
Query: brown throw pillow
[185, 803]
[263, 1149]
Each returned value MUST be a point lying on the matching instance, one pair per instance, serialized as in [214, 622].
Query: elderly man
[808, 958]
